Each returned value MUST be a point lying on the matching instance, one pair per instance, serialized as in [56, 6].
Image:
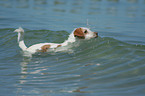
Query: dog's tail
[20, 38]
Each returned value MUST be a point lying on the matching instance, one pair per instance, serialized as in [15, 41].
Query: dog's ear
[79, 33]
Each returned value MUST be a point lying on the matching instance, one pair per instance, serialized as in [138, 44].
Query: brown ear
[79, 33]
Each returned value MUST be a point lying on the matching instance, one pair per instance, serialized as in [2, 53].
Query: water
[111, 65]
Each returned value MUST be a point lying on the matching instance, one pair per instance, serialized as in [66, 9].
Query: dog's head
[84, 33]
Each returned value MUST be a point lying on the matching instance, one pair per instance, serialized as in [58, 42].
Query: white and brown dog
[78, 33]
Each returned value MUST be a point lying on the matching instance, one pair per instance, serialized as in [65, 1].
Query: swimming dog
[77, 33]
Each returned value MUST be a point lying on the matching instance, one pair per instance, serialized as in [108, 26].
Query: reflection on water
[114, 65]
[101, 65]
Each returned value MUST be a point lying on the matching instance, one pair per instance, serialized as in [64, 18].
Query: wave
[98, 65]
[99, 47]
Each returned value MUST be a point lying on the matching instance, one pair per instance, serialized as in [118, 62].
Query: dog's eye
[86, 31]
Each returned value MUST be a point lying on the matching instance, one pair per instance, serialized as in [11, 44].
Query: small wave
[87, 66]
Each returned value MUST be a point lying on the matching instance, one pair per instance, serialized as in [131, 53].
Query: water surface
[112, 64]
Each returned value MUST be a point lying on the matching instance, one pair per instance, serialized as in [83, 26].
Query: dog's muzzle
[96, 33]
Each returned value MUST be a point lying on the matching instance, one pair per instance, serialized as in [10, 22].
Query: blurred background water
[112, 64]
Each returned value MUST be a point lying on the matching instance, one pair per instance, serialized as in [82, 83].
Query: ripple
[98, 65]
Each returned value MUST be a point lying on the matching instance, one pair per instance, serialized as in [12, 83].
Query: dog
[77, 33]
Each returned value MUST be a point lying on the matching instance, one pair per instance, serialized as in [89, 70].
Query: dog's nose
[96, 34]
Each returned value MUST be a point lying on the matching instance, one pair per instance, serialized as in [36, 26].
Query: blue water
[111, 65]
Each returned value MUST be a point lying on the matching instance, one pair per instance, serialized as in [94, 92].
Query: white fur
[90, 34]
[20, 38]
[34, 48]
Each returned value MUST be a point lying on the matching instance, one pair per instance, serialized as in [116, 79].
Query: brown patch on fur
[44, 48]
[58, 46]
[79, 33]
